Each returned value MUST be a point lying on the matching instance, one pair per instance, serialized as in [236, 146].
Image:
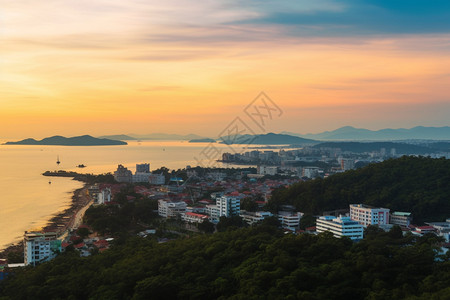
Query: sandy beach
[69, 219]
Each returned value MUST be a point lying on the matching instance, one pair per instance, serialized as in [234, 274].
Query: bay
[28, 201]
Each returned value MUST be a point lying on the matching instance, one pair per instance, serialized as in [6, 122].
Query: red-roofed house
[193, 217]
[425, 229]
[80, 245]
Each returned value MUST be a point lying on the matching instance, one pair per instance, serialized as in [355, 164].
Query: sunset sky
[182, 66]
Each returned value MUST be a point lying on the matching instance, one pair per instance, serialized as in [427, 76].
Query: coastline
[61, 221]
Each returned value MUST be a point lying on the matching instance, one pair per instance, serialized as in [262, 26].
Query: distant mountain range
[118, 137]
[84, 140]
[267, 139]
[400, 148]
[153, 136]
[352, 133]
[205, 140]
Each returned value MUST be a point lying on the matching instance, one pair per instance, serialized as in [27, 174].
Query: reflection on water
[27, 200]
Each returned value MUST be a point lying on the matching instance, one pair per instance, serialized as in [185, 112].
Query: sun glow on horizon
[113, 67]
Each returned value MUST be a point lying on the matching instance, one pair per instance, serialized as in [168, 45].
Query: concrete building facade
[340, 226]
[228, 206]
[171, 209]
[368, 215]
[40, 247]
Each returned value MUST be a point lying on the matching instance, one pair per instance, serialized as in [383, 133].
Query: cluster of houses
[224, 205]
[350, 225]
[178, 202]
[44, 245]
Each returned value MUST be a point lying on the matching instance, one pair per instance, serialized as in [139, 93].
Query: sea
[29, 200]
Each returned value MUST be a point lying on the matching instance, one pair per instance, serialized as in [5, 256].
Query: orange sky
[113, 67]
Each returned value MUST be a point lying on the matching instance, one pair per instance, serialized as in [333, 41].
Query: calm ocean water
[28, 201]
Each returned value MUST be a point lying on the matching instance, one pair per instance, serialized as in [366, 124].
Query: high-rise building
[228, 206]
[142, 168]
[340, 226]
[104, 196]
[40, 247]
[122, 174]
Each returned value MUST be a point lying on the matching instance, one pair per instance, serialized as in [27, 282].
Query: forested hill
[251, 263]
[413, 184]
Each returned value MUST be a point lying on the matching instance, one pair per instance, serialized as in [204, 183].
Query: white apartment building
[267, 170]
[342, 226]
[311, 172]
[228, 206]
[347, 164]
[254, 217]
[104, 196]
[289, 220]
[367, 215]
[40, 247]
[171, 209]
[214, 212]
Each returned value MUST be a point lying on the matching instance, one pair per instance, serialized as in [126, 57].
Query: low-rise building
[400, 218]
[40, 247]
[171, 209]
[310, 172]
[214, 212]
[140, 177]
[191, 217]
[442, 229]
[157, 179]
[94, 192]
[340, 226]
[368, 215]
[254, 217]
[267, 170]
[290, 220]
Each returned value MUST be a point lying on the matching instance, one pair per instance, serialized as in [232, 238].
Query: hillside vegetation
[419, 185]
[250, 263]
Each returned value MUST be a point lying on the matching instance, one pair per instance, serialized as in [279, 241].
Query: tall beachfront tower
[40, 247]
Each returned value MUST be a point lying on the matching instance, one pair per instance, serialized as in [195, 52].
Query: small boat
[57, 161]
[49, 182]
[81, 166]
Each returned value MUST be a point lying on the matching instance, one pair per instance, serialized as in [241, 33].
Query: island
[84, 140]
[205, 140]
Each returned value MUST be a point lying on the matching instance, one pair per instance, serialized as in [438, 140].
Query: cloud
[360, 17]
